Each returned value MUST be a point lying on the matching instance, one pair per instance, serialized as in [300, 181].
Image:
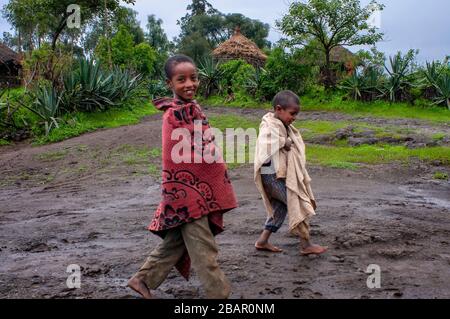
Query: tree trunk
[20, 41]
[108, 42]
[328, 82]
[59, 30]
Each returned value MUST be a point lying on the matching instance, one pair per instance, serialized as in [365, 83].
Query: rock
[344, 133]
[357, 141]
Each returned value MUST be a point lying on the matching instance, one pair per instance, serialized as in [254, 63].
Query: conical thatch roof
[8, 56]
[341, 55]
[240, 47]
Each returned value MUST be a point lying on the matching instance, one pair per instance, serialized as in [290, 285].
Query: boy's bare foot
[313, 250]
[140, 287]
[268, 247]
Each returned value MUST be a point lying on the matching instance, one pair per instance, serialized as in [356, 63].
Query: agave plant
[353, 86]
[255, 82]
[210, 75]
[364, 84]
[398, 81]
[439, 81]
[90, 88]
[46, 105]
[158, 88]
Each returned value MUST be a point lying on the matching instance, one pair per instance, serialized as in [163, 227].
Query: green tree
[286, 71]
[122, 49]
[255, 30]
[50, 16]
[331, 23]
[209, 27]
[155, 34]
[121, 16]
[144, 58]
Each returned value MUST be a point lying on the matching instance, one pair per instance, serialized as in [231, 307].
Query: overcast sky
[407, 24]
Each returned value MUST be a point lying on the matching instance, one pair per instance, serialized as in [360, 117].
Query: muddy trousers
[199, 241]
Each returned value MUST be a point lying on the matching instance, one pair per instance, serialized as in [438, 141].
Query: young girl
[281, 175]
[195, 194]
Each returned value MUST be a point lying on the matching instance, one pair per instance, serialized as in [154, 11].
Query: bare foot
[140, 287]
[268, 247]
[313, 250]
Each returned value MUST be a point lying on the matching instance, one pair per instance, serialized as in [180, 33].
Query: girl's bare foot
[268, 247]
[140, 287]
[313, 250]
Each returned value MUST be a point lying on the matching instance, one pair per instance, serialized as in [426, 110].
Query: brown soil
[81, 202]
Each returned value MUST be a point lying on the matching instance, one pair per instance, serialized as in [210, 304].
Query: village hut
[345, 60]
[240, 47]
[10, 67]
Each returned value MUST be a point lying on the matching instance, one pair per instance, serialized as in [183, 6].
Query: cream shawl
[290, 165]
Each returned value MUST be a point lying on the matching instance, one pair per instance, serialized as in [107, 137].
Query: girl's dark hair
[285, 98]
[174, 61]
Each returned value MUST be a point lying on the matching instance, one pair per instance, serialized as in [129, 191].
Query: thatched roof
[240, 47]
[341, 55]
[8, 56]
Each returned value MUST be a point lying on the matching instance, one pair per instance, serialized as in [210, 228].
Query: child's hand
[288, 144]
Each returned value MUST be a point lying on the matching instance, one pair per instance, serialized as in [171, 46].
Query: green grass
[88, 122]
[222, 122]
[245, 102]
[4, 142]
[369, 154]
[439, 136]
[380, 109]
[53, 156]
[133, 155]
[153, 170]
[341, 155]
[440, 176]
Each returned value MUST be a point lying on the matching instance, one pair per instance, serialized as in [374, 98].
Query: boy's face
[184, 82]
[288, 114]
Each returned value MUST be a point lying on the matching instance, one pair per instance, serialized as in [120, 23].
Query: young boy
[195, 194]
[281, 175]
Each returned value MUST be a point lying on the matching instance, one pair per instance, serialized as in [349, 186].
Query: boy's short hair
[174, 61]
[285, 99]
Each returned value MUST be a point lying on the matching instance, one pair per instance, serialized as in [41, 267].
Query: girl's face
[288, 114]
[184, 82]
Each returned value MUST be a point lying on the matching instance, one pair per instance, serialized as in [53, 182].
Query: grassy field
[88, 122]
[341, 155]
[380, 109]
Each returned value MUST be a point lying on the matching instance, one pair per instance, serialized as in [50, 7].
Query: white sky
[407, 24]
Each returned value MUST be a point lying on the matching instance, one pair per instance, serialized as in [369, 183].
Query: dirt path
[85, 201]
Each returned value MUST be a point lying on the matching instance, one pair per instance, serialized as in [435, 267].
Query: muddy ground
[87, 201]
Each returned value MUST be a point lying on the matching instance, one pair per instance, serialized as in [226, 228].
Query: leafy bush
[286, 71]
[235, 75]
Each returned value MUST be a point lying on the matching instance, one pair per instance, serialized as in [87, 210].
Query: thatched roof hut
[10, 66]
[344, 57]
[240, 47]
